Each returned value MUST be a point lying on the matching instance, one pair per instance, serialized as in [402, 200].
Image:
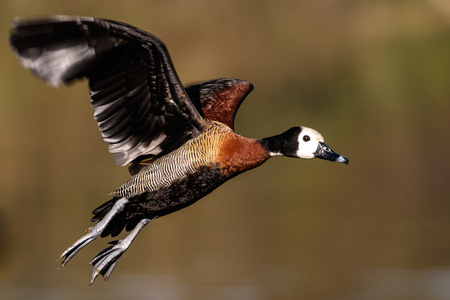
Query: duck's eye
[306, 138]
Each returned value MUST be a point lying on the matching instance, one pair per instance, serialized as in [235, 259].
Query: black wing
[139, 103]
[220, 99]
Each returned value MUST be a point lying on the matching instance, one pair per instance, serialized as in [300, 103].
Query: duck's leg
[106, 260]
[93, 232]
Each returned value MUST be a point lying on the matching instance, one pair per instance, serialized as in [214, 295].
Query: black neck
[285, 144]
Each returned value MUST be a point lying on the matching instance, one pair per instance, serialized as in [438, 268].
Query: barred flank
[176, 165]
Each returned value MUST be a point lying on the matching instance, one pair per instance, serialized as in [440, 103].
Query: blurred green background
[372, 76]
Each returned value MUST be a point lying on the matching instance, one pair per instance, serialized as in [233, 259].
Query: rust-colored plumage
[238, 154]
[220, 99]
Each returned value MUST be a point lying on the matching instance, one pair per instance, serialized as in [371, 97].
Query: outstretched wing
[220, 99]
[139, 103]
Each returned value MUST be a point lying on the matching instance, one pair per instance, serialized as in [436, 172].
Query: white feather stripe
[53, 65]
[176, 165]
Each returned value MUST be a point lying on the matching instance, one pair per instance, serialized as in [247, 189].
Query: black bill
[325, 152]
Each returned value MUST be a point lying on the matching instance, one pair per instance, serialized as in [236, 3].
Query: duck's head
[302, 142]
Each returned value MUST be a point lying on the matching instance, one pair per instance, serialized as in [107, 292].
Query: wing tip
[21, 21]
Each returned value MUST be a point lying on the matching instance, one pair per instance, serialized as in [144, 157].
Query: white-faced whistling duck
[179, 142]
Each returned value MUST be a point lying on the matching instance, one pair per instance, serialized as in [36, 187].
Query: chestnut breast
[238, 154]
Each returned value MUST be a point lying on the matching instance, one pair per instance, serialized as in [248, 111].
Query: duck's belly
[176, 196]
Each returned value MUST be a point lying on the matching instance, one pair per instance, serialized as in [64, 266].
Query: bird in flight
[179, 142]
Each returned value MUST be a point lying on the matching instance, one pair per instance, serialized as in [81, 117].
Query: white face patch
[308, 141]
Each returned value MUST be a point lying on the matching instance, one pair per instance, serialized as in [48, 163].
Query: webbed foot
[92, 232]
[105, 261]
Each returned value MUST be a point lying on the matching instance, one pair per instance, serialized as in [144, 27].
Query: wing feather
[220, 99]
[139, 103]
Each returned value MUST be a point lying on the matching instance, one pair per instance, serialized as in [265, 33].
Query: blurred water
[371, 284]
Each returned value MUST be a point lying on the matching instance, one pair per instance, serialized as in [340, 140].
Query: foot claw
[105, 262]
[77, 246]
[94, 275]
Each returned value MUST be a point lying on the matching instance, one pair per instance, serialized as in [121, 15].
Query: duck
[178, 142]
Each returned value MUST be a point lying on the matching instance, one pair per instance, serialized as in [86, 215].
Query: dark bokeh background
[372, 76]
